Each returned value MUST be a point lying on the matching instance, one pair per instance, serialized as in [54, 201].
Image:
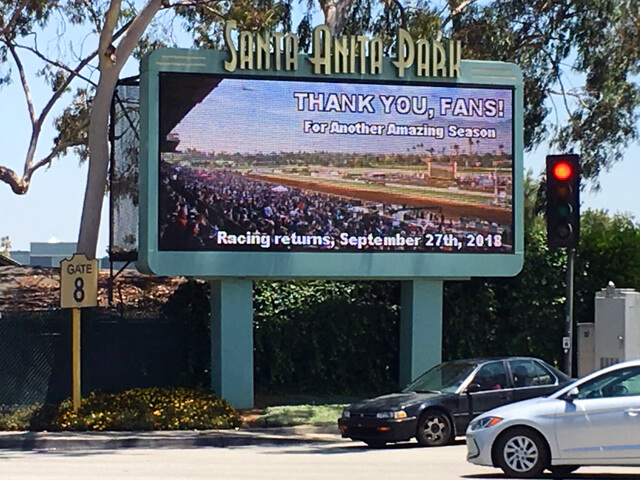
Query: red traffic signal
[563, 201]
[562, 170]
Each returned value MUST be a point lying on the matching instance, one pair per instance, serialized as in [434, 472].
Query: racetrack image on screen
[284, 165]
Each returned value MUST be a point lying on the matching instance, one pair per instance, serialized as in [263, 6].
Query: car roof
[479, 360]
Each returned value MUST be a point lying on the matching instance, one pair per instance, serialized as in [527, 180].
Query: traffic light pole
[568, 351]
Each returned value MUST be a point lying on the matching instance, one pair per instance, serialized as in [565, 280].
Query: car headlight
[485, 422]
[399, 414]
[346, 414]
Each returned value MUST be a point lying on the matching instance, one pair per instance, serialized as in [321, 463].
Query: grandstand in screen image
[263, 165]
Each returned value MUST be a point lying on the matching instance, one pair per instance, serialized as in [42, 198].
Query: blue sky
[241, 116]
[52, 207]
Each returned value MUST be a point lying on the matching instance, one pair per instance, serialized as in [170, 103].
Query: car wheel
[376, 443]
[522, 452]
[434, 429]
[561, 471]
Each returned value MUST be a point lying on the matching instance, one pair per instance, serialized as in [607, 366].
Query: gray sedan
[592, 421]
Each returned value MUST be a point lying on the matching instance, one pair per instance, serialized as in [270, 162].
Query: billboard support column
[420, 327]
[232, 341]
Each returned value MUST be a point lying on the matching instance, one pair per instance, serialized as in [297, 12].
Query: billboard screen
[271, 164]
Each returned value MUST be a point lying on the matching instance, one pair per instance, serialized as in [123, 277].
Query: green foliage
[508, 316]
[132, 410]
[189, 306]
[594, 40]
[18, 418]
[205, 21]
[609, 251]
[326, 336]
[531, 305]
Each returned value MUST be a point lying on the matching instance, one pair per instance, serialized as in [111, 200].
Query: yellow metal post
[75, 358]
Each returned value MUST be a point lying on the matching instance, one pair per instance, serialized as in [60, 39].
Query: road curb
[167, 439]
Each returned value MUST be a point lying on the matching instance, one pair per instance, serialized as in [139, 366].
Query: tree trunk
[335, 14]
[98, 163]
[111, 63]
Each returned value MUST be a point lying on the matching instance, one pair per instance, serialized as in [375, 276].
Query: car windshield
[446, 377]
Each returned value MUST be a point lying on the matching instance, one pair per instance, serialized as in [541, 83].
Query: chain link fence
[118, 352]
[123, 175]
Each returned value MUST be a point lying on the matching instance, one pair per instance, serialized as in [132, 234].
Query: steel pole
[75, 358]
[568, 352]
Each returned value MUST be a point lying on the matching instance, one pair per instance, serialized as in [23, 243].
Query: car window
[621, 383]
[491, 376]
[446, 377]
[528, 373]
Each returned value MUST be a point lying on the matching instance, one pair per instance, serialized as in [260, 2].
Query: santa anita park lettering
[347, 162]
[356, 54]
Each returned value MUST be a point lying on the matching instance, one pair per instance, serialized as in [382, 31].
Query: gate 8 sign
[78, 282]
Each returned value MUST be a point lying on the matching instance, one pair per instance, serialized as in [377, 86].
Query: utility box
[617, 325]
[586, 348]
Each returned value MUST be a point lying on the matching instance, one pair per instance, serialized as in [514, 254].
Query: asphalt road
[321, 461]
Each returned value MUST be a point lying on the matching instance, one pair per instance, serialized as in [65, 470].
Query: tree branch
[106, 35]
[23, 80]
[557, 70]
[579, 97]
[334, 14]
[75, 73]
[187, 3]
[212, 10]
[403, 14]
[136, 30]
[11, 178]
[59, 148]
[454, 13]
[20, 186]
[94, 15]
[58, 93]
[55, 63]
[16, 13]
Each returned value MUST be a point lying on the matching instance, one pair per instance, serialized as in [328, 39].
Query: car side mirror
[474, 387]
[571, 395]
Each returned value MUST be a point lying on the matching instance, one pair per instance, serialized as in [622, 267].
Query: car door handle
[633, 412]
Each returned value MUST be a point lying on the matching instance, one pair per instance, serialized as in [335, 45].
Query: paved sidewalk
[169, 439]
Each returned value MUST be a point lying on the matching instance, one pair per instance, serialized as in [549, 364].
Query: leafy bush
[189, 307]
[326, 337]
[131, 410]
[17, 418]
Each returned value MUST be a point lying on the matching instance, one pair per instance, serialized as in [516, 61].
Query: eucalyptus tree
[580, 60]
[119, 30]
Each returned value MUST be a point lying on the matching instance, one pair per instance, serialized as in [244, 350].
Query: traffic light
[563, 201]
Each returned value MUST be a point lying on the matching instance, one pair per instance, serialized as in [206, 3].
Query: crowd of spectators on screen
[196, 204]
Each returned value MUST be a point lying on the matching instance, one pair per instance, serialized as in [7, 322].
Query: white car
[592, 421]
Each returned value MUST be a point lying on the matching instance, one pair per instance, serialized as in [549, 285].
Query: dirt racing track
[450, 208]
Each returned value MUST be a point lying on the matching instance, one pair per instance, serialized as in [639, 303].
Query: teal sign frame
[330, 265]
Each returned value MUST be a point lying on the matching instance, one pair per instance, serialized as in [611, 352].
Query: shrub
[17, 418]
[136, 409]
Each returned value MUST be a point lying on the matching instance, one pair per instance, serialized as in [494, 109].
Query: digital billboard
[272, 164]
